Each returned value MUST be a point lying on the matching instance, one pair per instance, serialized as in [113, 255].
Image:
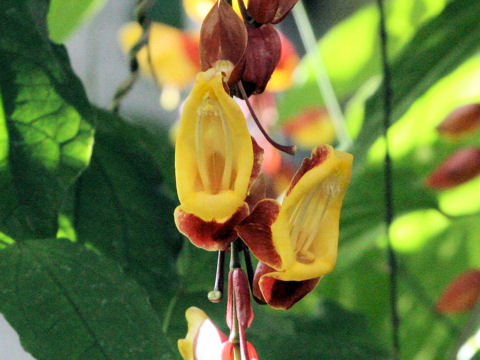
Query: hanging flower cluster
[223, 206]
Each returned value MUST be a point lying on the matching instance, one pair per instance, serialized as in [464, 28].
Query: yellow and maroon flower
[215, 163]
[297, 241]
[204, 341]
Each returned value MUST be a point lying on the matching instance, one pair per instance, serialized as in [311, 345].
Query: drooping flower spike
[204, 341]
[297, 241]
[215, 160]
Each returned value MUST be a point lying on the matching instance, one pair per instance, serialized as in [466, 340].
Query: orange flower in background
[297, 241]
[174, 53]
[311, 127]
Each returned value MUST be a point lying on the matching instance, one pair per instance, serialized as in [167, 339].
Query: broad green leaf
[333, 333]
[46, 131]
[64, 16]
[68, 303]
[436, 50]
[351, 51]
[122, 205]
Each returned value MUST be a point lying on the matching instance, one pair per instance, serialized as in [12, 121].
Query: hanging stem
[392, 260]
[321, 76]
[289, 149]
[125, 87]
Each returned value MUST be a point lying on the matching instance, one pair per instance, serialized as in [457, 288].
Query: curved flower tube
[204, 341]
[214, 163]
[298, 239]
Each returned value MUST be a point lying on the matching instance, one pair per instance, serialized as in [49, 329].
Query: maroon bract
[260, 60]
[459, 168]
[269, 11]
[277, 293]
[461, 121]
[461, 294]
[223, 36]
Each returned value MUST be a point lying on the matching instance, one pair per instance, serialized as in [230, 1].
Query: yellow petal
[305, 233]
[195, 317]
[213, 151]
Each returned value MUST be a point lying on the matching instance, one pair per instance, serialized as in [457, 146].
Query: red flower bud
[270, 11]
[260, 60]
[460, 167]
[461, 121]
[461, 294]
[223, 36]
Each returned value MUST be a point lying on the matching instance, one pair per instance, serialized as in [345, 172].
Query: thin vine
[388, 176]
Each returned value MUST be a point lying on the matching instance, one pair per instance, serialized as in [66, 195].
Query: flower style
[296, 242]
[214, 164]
[204, 341]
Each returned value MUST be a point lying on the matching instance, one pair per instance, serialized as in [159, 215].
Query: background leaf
[69, 303]
[436, 50]
[46, 122]
[351, 51]
[64, 16]
[122, 205]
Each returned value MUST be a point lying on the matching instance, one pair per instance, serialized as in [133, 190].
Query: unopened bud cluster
[464, 164]
[252, 45]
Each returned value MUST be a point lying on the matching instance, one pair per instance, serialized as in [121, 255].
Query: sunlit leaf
[65, 16]
[436, 50]
[46, 128]
[351, 50]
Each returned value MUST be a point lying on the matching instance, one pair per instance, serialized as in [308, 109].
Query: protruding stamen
[289, 149]
[216, 294]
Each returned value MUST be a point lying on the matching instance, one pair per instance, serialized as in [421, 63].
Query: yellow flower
[298, 239]
[214, 162]
[200, 326]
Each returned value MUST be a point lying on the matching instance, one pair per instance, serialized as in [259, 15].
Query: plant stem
[392, 259]
[321, 76]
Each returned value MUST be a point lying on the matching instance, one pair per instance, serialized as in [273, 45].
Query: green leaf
[122, 204]
[437, 49]
[64, 16]
[46, 131]
[68, 303]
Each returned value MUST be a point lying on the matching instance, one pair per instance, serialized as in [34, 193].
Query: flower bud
[223, 36]
[461, 294]
[270, 11]
[461, 121]
[459, 168]
[261, 57]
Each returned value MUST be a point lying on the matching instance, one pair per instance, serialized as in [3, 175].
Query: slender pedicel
[289, 149]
